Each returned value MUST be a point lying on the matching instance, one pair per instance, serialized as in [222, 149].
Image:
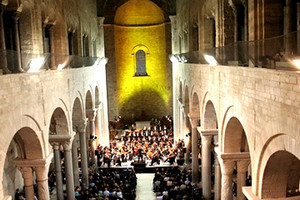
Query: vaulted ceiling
[107, 8]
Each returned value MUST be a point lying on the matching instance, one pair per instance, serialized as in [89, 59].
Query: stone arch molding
[278, 142]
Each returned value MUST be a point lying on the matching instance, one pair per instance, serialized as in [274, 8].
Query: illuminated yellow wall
[137, 94]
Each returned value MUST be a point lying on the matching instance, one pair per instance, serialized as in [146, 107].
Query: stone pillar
[227, 173]
[69, 170]
[3, 61]
[83, 152]
[75, 162]
[17, 41]
[242, 167]
[217, 186]
[195, 163]
[91, 116]
[28, 181]
[42, 182]
[206, 165]
[58, 177]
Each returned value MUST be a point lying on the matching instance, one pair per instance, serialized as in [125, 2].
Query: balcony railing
[14, 62]
[281, 52]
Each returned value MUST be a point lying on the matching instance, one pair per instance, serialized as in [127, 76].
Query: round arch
[210, 120]
[234, 139]
[88, 100]
[59, 123]
[77, 111]
[281, 176]
[24, 145]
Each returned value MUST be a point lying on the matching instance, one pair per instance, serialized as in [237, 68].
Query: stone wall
[29, 100]
[266, 102]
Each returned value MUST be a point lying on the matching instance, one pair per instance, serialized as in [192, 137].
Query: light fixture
[60, 66]
[36, 64]
[297, 63]
[211, 60]
[173, 58]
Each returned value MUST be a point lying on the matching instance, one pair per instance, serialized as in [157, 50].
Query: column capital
[227, 167]
[208, 132]
[91, 114]
[80, 126]
[238, 156]
[41, 173]
[26, 171]
[55, 145]
[100, 20]
[67, 145]
[195, 121]
[242, 166]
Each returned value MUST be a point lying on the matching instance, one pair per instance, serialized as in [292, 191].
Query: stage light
[297, 63]
[211, 60]
[36, 64]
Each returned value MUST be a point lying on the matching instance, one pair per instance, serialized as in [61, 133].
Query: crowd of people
[152, 144]
[173, 183]
[109, 184]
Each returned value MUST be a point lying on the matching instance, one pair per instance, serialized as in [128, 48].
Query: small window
[140, 57]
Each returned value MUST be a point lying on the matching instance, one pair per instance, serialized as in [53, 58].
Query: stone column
[58, 177]
[17, 41]
[227, 173]
[91, 116]
[242, 167]
[28, 181]
[101, 37]
[69, 170]
[217, 186]
[206, 166]
[75, 162]
[83, 152]
[42, 182]
[3, 60]
[195, 163]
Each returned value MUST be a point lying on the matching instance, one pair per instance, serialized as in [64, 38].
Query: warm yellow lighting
[297, 63]
[211, 60]
[36, 64]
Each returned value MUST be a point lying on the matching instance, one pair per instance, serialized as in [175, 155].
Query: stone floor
[144, 187]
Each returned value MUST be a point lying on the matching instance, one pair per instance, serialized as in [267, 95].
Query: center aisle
[144, 187]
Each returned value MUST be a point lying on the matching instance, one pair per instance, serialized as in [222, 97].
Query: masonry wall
[266, 102]
[29, 100]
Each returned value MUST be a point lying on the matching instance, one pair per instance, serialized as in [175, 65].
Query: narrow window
[140, 57]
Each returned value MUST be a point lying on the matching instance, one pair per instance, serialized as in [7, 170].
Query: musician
[171, 157]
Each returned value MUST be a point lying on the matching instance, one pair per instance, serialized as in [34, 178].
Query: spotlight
[297, 63]
[35, 64]
[211, 60]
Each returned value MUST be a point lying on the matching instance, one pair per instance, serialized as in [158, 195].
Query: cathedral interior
[225, 73]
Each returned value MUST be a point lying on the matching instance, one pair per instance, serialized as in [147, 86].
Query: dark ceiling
[107, 8]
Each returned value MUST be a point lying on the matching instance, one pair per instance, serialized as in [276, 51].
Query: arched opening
[210, 116]
[281, 176]
[235, 138]
[236, 146]
[58, 123]
[140, 62]
[25, 145]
